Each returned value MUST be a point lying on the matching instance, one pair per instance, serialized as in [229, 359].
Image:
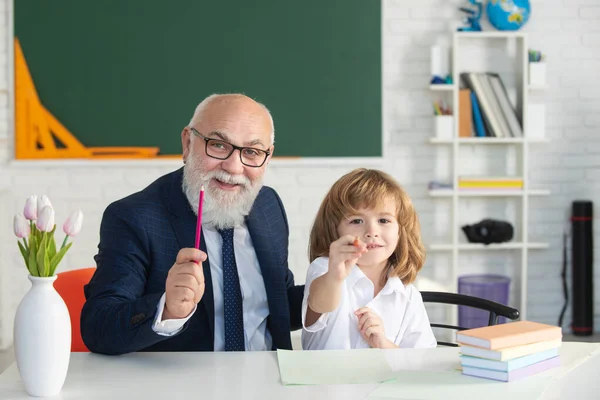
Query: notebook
[513, 375]
[510, 365]
[509, 335]
[510, 352]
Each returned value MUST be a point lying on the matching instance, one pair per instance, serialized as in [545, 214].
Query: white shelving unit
[457, 243]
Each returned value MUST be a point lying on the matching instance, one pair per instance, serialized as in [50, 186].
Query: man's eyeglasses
[221, 150]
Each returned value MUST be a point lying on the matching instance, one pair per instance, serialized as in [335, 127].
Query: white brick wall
[568, 31]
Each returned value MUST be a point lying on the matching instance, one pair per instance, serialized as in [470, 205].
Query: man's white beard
[221, 209]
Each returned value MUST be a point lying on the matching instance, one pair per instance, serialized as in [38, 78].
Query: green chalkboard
[130, 72]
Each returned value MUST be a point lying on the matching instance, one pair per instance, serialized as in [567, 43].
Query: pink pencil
[199, 222]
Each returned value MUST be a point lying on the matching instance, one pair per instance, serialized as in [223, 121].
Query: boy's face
[377, 228]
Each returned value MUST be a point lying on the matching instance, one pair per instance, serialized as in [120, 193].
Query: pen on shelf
[445, 108]
[536, 56]
[199, 220]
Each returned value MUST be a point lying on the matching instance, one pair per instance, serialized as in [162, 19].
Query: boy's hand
[371, 329]
[343, 254]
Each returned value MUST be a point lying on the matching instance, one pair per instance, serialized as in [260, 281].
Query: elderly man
[154, 291]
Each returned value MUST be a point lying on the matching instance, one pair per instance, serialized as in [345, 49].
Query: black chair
[495, 309]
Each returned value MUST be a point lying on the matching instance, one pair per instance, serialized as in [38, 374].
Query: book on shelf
[510, 334]
[490, 185]
[509, 365]
[490, 177]
[510, 352]
[477, 119]
[465, 113]
[509, 376]
[498, 188]
[484, 182]
[508, 110]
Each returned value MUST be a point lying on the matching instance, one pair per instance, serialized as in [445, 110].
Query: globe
[508, 15]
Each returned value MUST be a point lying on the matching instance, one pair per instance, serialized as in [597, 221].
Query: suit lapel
[183, 221]
[258, 228]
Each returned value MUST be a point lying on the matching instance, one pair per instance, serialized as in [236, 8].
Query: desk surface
[250, 375]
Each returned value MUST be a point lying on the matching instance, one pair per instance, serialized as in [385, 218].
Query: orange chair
[69, 285]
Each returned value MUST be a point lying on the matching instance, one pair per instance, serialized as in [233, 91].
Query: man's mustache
[228, 178]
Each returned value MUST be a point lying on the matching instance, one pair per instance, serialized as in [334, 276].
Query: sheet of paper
[454, 385]
[572, 355]
[442, 359]
[434, 383]
[314, 367]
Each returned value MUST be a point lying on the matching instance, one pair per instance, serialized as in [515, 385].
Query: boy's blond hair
[368, 188]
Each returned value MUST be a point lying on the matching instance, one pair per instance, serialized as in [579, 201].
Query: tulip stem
[64, 241]
[26, 246]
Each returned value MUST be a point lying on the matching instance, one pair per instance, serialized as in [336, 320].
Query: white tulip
[42, 202]
[31, 208]
[73, 224]
[45, 221]
[21, 226]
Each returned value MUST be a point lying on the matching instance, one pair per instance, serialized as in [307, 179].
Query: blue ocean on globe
[508, 15]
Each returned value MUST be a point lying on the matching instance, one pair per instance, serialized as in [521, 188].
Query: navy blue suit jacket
[140, 237]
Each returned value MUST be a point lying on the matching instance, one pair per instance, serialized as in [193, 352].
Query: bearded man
[154, 291]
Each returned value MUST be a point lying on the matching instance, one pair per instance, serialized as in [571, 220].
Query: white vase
[42, 338]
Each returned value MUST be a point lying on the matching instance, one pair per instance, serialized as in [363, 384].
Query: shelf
[538, 87]
[488, 193]
[493, 246]
[469, 52]
[441, 87]
[486, 141]
[491, 34]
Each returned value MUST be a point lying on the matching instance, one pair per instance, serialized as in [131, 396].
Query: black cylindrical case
[582, 268]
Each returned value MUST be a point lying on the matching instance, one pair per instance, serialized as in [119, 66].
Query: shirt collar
[393, 285]
[356, 274]
[213, 229]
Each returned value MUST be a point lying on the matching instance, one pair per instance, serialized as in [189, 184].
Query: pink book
[514, 374]
[509, 335]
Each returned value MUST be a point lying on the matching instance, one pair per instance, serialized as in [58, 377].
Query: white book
[489, 178]
[509, 353]
[515, 374]
[505, 104]
[507, 366]
[495, 105]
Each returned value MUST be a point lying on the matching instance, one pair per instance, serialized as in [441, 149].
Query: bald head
[230, 106]
[231, 181]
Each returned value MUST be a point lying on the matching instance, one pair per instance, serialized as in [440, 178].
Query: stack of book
[490, 183]
[510, 351]
[485, 107]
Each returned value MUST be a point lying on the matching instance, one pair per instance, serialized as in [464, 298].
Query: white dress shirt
[254, 294]
[400, 308]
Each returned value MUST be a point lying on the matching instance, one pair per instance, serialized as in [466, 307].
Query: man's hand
[185, 284]
[371, 329]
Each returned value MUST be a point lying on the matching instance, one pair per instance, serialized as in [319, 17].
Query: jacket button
[136, 319]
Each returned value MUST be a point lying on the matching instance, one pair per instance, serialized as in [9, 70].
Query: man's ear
[270, 154]
[186, 142]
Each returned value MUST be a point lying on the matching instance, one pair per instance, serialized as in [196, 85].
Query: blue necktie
[232, 297]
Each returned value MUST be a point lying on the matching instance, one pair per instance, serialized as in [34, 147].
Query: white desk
[247, 376]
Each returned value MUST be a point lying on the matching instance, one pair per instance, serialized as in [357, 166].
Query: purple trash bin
[486, 286]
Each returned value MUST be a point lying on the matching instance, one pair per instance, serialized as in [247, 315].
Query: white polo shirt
[400, 307]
